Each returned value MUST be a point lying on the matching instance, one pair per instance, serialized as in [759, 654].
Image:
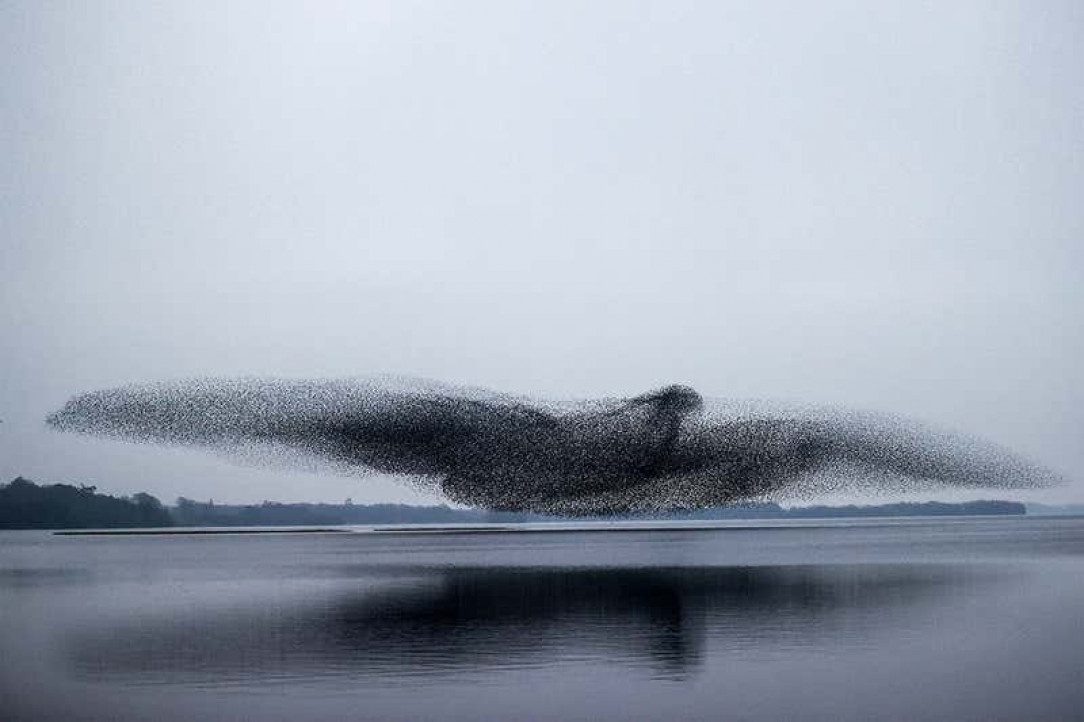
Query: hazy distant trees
[194, 513]
[25, 505]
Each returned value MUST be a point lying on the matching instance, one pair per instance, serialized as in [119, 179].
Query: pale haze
[873, 205]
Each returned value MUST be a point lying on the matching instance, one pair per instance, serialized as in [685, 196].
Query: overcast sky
[868, 204]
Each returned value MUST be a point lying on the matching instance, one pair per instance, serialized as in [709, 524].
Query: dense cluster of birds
[663, 450]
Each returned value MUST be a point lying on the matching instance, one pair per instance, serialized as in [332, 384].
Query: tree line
[26, 505]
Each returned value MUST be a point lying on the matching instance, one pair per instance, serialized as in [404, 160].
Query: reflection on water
[467, 621]
[910, 620]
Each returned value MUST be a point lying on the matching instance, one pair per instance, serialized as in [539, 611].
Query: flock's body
[667, 449]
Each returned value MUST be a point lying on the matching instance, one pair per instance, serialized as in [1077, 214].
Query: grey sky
[869, 204]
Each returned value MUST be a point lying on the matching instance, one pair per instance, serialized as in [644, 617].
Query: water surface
[903, 620]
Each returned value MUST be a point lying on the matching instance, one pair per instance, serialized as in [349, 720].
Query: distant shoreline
[188, 532]
[26, 505]
[558, 527]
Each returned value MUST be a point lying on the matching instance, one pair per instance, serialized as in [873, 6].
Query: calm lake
[948, 619]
